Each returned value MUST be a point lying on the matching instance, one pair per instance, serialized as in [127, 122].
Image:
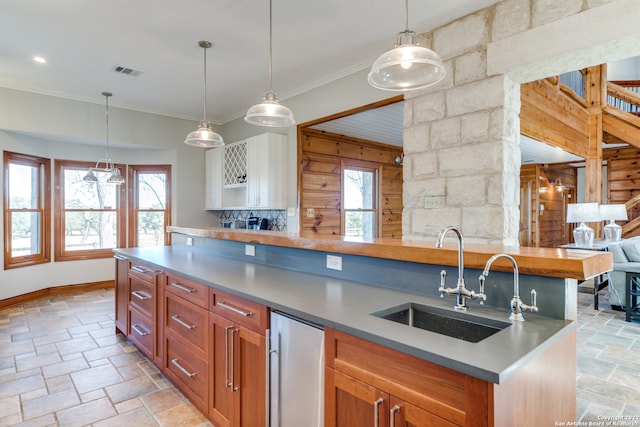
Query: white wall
[62, 129]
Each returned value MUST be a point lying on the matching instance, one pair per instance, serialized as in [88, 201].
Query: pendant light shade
[270, 112]
[407, 66]
[204, 136]
[108, 167]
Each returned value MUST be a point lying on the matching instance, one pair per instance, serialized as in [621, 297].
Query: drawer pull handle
[376, 411]
[392, 415]
[183, 288]
[227, 384]
[139, 330]
[140, 269]
[120, 257]
[140, 295]
[184, 371]
[235, 310]
[182, 322]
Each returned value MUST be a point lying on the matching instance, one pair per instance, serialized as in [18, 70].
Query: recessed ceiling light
[39, 59]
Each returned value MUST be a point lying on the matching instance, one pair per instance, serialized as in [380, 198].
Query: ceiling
[314, 42]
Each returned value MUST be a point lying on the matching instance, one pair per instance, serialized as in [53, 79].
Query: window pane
[90, 230]
[151, 190]
[150, 228]
[25, 233]
[23, 187]
[359, 224]
[358, 189]
[79, 194]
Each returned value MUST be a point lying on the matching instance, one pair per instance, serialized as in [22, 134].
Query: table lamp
[612, 231]
[583, 213]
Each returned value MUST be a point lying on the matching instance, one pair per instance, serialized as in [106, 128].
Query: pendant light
[204, 136]
[407, 66]
[270, 112]
[109, 167]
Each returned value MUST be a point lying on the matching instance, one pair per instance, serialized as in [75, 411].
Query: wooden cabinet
[238, 361]
[213, 178]
[121, 300]
[364, 380]
[144, 302]
[186, 337]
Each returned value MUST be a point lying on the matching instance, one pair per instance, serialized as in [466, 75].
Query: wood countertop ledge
[550, 262]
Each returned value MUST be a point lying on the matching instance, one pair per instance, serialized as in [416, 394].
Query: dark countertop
[346, 306]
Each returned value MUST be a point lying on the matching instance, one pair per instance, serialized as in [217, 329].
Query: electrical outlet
[434, 202]
[249, 250]
[310, 213]
[334, 262]
[189, 241]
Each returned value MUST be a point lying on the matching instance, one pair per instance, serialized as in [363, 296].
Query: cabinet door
[351, 403]
[220, 393]
[256, 185]
[122, 265]
[267, 171]
[213, 178]
[403, 414]
[248, 377]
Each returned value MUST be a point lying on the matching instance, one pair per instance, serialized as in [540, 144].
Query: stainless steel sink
[453, 324]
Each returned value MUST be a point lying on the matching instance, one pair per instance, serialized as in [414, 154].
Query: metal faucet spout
[440, 241]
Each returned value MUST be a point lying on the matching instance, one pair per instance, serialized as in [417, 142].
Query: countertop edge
[550, 262]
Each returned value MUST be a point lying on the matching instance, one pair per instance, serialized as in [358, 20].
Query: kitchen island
[501, 380]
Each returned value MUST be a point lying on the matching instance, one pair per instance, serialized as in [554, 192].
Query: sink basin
[453, 324]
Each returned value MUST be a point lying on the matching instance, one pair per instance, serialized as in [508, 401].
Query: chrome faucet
[460, 291]
[517, 306]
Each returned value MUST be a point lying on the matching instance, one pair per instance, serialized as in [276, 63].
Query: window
[89, 217]
[360, 199]
[149, 205]
[27, 210]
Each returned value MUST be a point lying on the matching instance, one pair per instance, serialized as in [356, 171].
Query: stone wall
[461, 137]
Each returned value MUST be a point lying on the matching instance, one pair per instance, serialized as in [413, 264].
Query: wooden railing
[633, 212]
[624, 99]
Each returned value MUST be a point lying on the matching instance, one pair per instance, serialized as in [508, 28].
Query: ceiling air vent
[125, 70]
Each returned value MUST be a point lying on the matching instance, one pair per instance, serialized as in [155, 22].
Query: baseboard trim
[55, 290]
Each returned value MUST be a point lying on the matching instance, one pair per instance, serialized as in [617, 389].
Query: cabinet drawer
[142, 295]
[143, 271]
[187, 321]
[239, 310]
[141, 332]
[188, 371]
[188, 289]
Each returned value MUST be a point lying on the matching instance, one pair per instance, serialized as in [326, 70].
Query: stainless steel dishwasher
[296, 367]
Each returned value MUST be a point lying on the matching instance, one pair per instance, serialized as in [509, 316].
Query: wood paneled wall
[546, 227]
[319, 158]
[623, 173]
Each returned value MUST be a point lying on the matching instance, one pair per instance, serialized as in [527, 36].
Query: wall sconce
[558, 185]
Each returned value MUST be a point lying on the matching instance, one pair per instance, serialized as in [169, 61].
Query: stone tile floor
[61, 364]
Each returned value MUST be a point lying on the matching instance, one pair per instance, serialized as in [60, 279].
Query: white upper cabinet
[266, 171]
[213, 179]
[248, 174]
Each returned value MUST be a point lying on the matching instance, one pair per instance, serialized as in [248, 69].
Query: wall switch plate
[434, 202]
[291, 211]
[189, 241]
[310, 213]
[334, 262]
[250, 250]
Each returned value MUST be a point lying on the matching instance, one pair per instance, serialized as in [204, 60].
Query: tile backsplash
[277, 217]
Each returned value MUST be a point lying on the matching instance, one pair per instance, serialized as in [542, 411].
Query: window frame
[60, 253]
[44, 208]
[364, 166]
[132, 201]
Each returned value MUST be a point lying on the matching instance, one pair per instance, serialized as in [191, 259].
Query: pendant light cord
[204, 100]
[406, 15]
[270, 45]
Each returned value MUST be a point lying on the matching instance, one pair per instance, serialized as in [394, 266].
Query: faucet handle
[534, 297]
[482, 278]
[443, 275]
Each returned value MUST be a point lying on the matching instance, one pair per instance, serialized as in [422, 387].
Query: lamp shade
[270, 113]
[407, 66]
[616, 212]
[583, 212]
[204, 137]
